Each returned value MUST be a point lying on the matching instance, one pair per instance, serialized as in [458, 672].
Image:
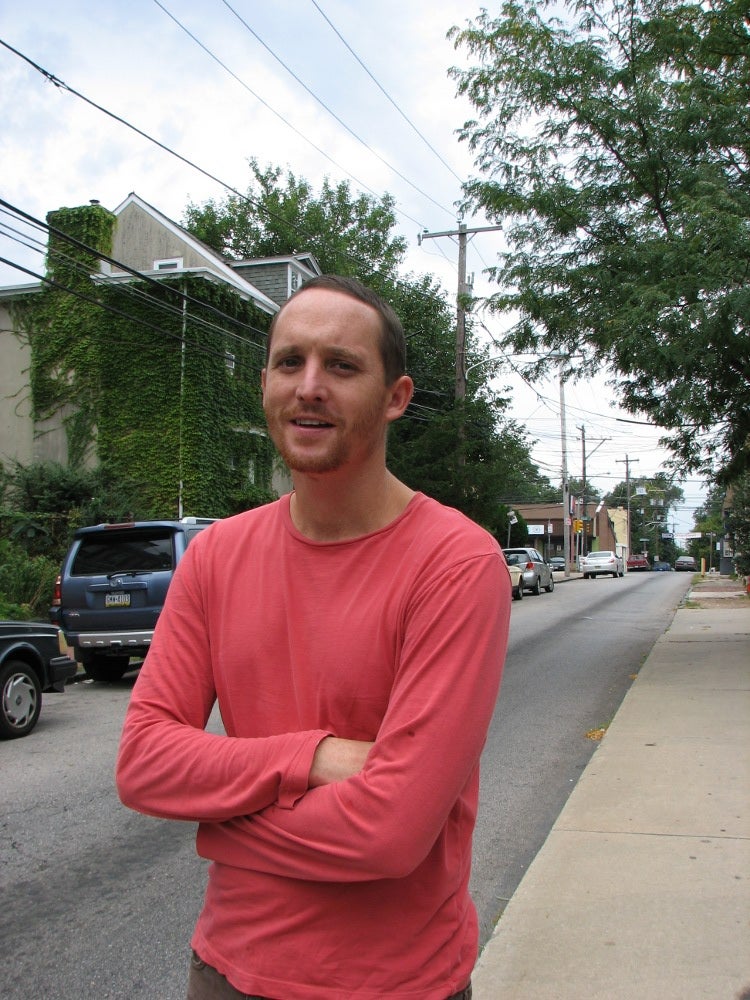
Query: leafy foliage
[613, 140]
[650, 503]
[139, 376]
[709, 522]
[738, 524]
[26, 583]
[348, 234]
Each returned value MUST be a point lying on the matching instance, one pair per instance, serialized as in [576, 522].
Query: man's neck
[326, 509]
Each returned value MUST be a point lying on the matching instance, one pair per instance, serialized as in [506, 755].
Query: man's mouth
[310, 422]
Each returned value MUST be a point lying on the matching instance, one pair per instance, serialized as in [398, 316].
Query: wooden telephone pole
[463, 292]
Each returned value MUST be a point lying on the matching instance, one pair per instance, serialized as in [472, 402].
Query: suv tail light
[529, 565]
[57, 593]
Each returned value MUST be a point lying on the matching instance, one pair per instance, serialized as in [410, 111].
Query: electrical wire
[333, 114]
[385, 93]
[273, 111]
[244, 198]
[152, 282]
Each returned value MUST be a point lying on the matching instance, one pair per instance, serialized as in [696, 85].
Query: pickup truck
[638, 563]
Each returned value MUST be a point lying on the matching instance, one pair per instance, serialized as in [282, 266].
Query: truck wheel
[106, 669]
[20, 699]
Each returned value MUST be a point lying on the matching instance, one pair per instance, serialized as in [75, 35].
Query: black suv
[112, 587]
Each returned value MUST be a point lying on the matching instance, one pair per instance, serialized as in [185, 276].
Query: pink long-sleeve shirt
[357, 889]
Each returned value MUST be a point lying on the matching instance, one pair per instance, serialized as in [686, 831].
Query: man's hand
[336, 759]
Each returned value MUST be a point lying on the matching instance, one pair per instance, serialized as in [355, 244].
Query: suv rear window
[140, 550]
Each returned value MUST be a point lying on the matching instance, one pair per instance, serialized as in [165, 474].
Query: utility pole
[564, 470]
[584, 546]
[584, 515]
[464, 290]
[627, 462]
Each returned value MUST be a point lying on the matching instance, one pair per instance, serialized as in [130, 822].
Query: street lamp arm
[484, 361]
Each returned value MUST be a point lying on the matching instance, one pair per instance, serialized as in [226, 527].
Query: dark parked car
[558, 564]
[112, 587]
[685, 564]
[661, 567]
[31, 661]
[537, 574]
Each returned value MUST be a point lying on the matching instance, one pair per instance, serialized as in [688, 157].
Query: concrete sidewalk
[642, 888]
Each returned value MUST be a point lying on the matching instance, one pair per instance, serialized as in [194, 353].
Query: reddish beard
[366, 433]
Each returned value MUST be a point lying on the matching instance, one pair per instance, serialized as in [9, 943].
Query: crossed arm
[311, 804]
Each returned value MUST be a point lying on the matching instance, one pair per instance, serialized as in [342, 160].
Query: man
[353, 633]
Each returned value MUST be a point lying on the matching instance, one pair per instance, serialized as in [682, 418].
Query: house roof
[213, 261]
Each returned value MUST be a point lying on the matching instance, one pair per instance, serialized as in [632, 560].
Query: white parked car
[604, 563]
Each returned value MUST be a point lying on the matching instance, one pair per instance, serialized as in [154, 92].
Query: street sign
[535, 529]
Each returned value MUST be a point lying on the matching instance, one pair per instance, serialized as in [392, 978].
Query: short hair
[392, 340]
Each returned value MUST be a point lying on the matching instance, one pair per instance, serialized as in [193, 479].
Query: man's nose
[311, 384]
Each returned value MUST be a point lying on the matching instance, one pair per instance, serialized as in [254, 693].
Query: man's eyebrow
[332, 350]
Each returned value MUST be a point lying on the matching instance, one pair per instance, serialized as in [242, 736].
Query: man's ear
[400, 396]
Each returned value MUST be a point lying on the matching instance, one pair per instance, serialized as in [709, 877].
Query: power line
[385, 92]
[157, 304]
[246, 199]
[153, 282]
[333, 114]
[269, 107]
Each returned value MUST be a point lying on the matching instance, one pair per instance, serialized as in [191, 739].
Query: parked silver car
[604, 563]
[537, 573]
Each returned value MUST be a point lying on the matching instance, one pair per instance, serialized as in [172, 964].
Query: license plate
[117, 600]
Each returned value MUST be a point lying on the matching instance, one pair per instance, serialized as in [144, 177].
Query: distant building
[600, 528]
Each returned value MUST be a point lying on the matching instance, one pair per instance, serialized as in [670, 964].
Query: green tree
[350, 234]
[651, 500]
[613, 139]
[709, 522]
[738, 524]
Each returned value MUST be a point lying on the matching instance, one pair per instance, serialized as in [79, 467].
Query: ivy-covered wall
[62, 328]
[164, 390]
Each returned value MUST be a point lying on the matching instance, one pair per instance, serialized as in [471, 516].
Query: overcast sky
[226, 95]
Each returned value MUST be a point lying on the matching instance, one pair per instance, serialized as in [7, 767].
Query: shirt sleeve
[383, 822]
[167, 765]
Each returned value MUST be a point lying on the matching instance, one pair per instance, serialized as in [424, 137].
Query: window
[168, 264]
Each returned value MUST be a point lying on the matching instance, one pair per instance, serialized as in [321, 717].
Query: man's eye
[343, 366]
[288, 363]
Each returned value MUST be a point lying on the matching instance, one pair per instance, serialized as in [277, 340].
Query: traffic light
[577, 525]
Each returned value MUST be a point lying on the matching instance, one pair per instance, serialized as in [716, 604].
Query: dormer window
[168, 264]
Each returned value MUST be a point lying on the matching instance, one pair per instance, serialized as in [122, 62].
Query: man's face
[324, 392]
